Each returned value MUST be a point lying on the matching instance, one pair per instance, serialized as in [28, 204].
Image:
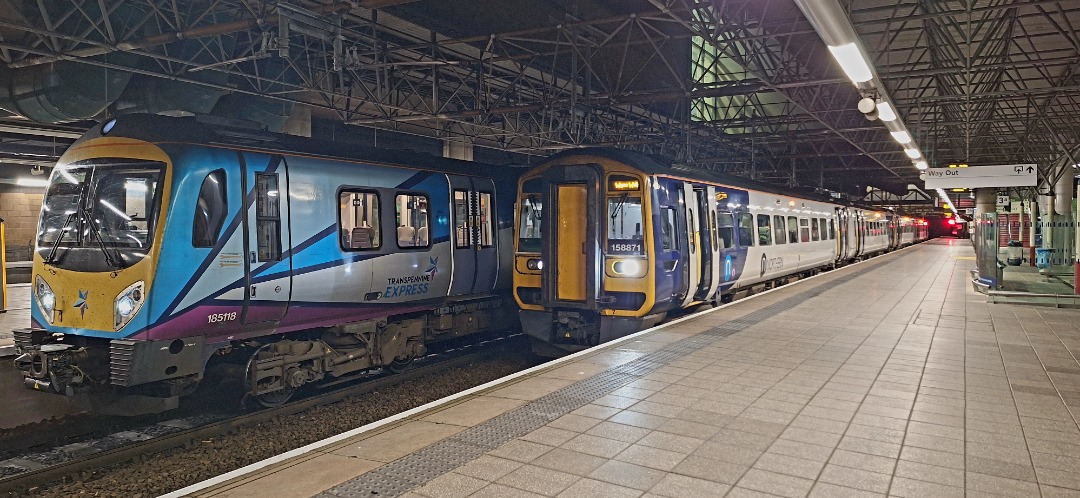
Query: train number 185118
[220, 317]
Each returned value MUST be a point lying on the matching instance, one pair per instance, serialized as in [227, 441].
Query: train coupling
[50, 368]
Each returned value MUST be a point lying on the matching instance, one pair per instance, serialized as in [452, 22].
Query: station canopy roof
[747, 87]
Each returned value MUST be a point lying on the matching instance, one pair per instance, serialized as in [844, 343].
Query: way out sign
[1003, 175]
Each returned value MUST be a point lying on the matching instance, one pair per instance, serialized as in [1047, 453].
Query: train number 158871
[220, 317]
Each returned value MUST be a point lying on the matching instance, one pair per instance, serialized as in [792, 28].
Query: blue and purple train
[169, 250]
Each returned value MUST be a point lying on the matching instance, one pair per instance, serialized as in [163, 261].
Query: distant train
[610, 242]
[168, 251]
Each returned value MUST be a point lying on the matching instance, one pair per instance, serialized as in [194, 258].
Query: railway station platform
[17, 315]
[888, 377]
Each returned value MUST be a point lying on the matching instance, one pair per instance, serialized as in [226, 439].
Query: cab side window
[210, 210]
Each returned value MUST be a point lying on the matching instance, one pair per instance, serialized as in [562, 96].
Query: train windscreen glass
[107, 205]
[624, 225]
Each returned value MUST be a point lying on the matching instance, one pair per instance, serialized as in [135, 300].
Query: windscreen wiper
[56, 243]
[94, 232]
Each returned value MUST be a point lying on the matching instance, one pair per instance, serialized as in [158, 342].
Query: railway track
[22, 473]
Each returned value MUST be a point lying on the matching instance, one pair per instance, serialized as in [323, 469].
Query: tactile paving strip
[419, 468]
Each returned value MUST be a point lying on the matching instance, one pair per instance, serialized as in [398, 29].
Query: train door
[710, 263]
[267, 242]
[475, 245]
[693, 240]
[571, 227]
[840, 220]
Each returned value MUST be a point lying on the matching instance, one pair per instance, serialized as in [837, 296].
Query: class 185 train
[169, 250]
[610, 242]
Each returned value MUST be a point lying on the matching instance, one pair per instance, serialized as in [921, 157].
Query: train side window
[667, 228]
[746, 230]
[726, 230]
[804, 230]
[358, 219]
[764, 232]
[413, 220]
[815, 235]
[267, 217]
[792, 229]
[778, 230]
[461, 219]
[210, 210]
[832, 230]
[487, 231]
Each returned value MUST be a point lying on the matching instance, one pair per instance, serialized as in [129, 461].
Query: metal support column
[3, 269]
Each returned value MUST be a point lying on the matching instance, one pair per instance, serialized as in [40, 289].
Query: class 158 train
[610, 242]
[169, 250]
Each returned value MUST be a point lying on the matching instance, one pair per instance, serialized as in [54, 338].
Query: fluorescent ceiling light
[32, 182]
[921, 165]
[885, 112]
[901, 136]
[852, 62]
[913, 153]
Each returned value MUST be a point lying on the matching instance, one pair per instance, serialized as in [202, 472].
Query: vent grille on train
[23, 340]
[121, 361]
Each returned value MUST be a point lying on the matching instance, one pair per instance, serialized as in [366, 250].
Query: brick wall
[19, 207]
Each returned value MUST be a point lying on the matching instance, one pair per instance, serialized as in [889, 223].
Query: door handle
[252, 291]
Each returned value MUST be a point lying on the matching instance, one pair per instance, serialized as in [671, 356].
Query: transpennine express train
[610, 242]
[168, 251]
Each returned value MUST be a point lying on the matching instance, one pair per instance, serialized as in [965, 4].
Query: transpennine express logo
[81, 302]
[434, 268]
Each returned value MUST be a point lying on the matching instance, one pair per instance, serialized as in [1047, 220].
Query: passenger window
[487, 229]
[764, 232]
[413, 220]
[746, 230]
[210, 210]
[778, 230]
[832, 230]
[814, 234]
[667, 228]
[267, 217]
[793, 229]
[358, 219]
[804, 230]
[726, 230]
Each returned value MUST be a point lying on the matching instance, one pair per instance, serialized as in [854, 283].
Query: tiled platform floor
[888, 378]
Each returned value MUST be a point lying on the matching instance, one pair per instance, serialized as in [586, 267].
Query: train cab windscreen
[529, 225]
[102, 211]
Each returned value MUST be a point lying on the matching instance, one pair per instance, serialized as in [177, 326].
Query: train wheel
[270, 399]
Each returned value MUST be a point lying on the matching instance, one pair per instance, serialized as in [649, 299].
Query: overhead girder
[991, 86]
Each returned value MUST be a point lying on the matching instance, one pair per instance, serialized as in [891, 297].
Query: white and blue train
[168, 250]
[610, 242]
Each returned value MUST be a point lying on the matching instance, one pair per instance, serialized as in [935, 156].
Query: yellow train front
[588, 264]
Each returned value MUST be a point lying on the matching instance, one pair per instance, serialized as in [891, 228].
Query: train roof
[654, 166]
[163, 129]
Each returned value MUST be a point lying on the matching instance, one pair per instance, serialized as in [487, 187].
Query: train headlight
[45, 297]
[128, 303]
[535, 264]
[628, 267]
